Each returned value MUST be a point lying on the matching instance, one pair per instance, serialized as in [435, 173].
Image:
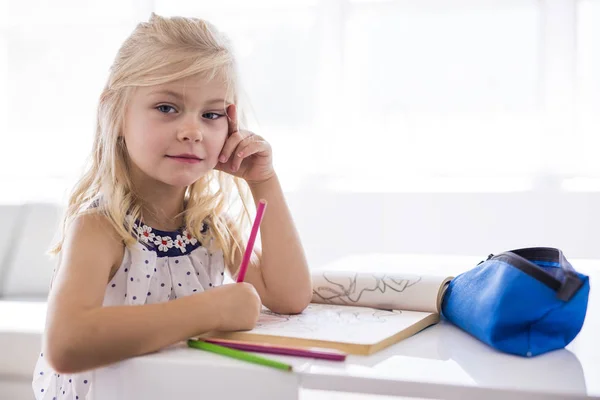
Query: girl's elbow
[296, 304]
[60, 354]
[305, 298]
[303, 301]
[60, 359]
[297, 308]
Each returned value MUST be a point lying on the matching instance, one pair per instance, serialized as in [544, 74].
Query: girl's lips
[185, 158]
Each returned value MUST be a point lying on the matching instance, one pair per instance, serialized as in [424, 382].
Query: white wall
[336, 224]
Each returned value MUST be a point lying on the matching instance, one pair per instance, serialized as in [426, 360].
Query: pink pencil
[260, 212]
[323, 354]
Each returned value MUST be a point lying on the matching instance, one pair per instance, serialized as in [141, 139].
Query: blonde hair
[159, 51]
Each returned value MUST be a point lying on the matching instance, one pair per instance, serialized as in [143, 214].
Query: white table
[439, 362]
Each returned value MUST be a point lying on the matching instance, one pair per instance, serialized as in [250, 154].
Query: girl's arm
[81, 334]
[280, 272]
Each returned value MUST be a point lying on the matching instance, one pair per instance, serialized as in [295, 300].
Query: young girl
[147, 236]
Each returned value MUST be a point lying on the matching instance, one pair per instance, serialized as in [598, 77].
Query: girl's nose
[190, 134]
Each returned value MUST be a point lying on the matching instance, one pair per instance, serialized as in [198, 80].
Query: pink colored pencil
[260, 212]
[323, 354]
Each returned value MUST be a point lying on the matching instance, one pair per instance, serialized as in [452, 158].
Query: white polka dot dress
[161, 266]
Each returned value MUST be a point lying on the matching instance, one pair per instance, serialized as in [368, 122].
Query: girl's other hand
[245, 154]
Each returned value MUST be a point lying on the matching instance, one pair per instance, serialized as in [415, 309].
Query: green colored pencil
[240, 355]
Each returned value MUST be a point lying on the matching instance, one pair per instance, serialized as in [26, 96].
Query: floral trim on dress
[165, 243]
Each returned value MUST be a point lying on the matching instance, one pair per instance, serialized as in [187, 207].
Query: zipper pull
[488, 258]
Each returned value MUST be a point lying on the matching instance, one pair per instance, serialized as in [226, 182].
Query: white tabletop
[441, 361]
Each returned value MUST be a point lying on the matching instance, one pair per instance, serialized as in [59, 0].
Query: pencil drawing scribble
[349, 290]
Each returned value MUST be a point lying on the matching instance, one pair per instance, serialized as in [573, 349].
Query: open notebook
[358, 313]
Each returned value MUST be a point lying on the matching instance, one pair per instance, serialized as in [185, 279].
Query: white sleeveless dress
[161, 266]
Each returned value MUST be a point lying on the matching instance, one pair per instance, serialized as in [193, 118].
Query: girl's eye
[212, 115]
[163, 108]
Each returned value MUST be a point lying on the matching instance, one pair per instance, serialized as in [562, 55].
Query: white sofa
[25, 272]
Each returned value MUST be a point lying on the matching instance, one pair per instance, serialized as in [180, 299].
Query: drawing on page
[349, 289]
[319, 317]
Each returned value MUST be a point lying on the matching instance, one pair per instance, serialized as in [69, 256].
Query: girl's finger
[230, 144]
[247, 147]
[231, 112]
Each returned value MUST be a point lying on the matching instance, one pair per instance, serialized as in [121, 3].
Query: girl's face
[174, 132]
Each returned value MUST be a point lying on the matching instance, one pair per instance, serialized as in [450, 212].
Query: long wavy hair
[159, 51]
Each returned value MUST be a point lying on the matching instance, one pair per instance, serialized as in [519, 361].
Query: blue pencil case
[525, 302]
